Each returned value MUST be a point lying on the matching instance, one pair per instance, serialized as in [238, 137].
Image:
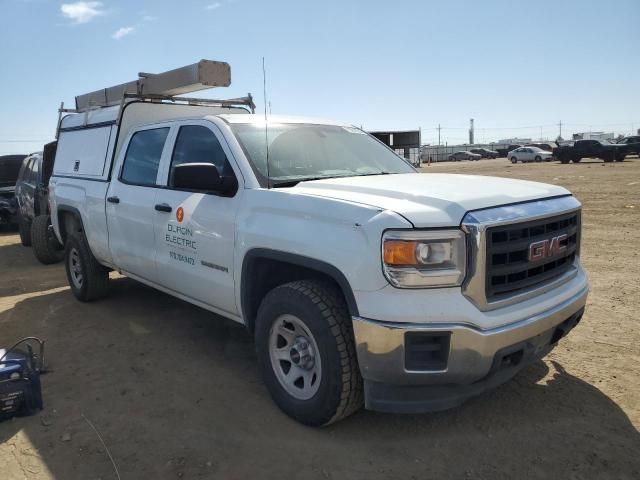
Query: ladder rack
[162, 88]
[191, 78]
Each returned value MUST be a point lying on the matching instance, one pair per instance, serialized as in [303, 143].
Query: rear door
[131, 201]
[195, 235]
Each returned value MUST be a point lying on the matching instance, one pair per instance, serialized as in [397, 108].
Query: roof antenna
[266, 124]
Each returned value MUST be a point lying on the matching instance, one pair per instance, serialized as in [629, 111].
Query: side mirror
[202, 177]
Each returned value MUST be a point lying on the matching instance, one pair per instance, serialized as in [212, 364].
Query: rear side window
[198, 144]
[23, 176]
[143, 156]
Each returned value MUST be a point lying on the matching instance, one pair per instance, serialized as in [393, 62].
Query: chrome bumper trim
[380, 345]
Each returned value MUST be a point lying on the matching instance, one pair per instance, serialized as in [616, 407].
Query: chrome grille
[499, 272]
[508, 267]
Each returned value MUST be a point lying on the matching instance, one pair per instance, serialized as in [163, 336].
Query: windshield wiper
[294, 181]
[372, 174]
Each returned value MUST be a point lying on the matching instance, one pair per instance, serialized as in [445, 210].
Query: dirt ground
[175, 393]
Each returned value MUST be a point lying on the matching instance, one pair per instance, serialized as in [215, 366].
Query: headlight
[419, 259]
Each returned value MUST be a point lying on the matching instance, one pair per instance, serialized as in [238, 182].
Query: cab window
[33, 176]
[143, 156]
[198, 144]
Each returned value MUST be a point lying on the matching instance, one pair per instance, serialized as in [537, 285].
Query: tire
[309, 313]
[565, 160]
[538, 159]
[514, 160]
[87, 278]
[24, 229]
[576, 159]
[46, 247]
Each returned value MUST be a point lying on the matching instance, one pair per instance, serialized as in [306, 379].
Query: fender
[300, 261]
[61, 226]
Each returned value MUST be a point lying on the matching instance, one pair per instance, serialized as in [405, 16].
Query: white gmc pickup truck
[362, 280]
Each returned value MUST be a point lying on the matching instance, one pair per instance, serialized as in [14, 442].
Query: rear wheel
[514, 160]
[24, 229]
[306, 351]
[46, 247]
[87, 278]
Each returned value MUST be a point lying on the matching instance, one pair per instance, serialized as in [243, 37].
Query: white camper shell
[87, 142]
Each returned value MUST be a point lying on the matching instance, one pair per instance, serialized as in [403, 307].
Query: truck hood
[429, 199]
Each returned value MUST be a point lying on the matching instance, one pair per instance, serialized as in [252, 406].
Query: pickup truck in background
[361, 280]
[609, 152]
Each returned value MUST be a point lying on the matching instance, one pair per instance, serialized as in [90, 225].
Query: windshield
[300, 152]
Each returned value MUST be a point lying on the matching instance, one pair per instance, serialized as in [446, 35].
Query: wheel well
[262, 272]
[69, 222]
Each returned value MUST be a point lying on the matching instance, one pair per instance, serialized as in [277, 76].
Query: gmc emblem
[547, 248]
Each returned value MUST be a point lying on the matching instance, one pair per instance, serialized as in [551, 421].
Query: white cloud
[213, 6]
[122, 32]
[82, 12]
[148, 18]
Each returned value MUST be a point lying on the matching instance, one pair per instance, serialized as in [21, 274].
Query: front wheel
[538, 159]
[88, 279]
[306, 352]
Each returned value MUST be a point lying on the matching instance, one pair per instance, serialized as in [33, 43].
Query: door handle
[113, 200]
[163, 207]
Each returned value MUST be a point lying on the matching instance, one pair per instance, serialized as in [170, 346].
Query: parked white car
[529, 154]
[362, 281]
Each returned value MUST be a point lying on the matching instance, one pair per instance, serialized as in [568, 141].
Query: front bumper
[476, 360]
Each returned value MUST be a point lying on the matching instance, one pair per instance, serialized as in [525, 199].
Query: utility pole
[560, 125]
[438, 134]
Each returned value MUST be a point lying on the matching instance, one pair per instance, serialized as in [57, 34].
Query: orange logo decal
[179, 214]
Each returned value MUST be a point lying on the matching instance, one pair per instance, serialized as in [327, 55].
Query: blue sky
[516, 67]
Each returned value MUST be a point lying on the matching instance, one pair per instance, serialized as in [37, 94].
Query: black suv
[33, 205]
[9, 168]
[503, 152]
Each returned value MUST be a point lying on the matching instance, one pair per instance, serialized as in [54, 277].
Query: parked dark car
[609, 152]
[546, 146]
[503, 152]
[632, 144]
[464, 155]
[485, 152]
[9, 169]
[33, 205]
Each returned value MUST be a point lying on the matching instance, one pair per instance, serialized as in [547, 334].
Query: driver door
[195, 230]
